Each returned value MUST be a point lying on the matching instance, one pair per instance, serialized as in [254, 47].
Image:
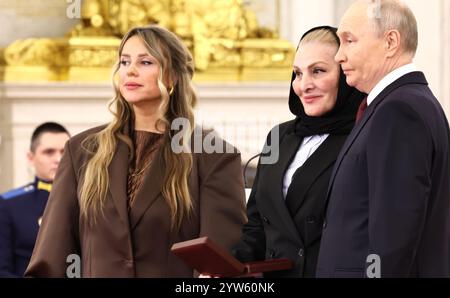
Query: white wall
[429, 51]
[298, 16]
[33, 18]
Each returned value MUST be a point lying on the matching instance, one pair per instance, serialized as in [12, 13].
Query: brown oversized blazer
[136, 243]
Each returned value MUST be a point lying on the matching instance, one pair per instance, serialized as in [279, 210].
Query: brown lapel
[118, 171]
[149, 191]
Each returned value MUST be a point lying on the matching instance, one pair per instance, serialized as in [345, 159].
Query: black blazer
[390, 190]
[271, 231]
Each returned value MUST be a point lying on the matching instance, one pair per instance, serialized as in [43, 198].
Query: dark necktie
[361, 109]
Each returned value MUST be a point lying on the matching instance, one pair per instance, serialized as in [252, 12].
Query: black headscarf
[338, 121]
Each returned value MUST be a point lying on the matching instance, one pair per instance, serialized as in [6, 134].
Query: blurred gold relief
[224, 37]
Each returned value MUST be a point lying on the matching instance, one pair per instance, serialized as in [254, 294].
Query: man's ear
[392, 42]
[30, 157]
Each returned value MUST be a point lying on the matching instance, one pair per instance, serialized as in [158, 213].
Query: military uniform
[21, 211]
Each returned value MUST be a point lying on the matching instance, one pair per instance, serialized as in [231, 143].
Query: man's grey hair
[395, 15]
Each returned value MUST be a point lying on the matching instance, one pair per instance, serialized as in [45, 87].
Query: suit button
[301, 252]
[324, 224]
[271, 254]
[311, 219]
[128, 263]
[266, 220]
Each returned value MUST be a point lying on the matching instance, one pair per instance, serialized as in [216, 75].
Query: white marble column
[25, 19]
[298, 16]
[5, 144]
[445, 55]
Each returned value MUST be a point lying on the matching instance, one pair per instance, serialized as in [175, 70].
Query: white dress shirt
[307, 148]
[389, 79]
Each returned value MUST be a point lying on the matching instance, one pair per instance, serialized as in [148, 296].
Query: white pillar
[25, 19]
[445, 55]
[6, 177]
[433, 52]
[298, 16]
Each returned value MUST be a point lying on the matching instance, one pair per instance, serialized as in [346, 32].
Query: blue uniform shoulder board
[17, 192]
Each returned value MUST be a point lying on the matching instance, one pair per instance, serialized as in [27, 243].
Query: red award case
[208, 258]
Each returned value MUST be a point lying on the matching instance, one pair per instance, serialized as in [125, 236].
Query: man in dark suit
[389, 195]
[21, 209]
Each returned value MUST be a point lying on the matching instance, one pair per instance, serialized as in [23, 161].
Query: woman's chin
[143, 101]
[131, 100]
[134, 100]
[312, 112]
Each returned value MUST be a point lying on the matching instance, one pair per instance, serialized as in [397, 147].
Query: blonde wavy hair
[321, 35]
[175, 62]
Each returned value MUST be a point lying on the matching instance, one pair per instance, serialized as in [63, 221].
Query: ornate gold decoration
[36, 59]
[225, 39]
[2, 68]
[92, 58]
[2, 57]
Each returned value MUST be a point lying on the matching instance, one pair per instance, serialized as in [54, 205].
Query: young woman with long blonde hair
[123, 195]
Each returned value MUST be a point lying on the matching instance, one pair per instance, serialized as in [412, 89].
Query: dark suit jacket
[20, 211]
[271, 231]
[390, 190]
[136, 243]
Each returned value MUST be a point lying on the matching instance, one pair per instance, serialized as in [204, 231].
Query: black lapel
[416, 77]
[307, 174]
[288, 148]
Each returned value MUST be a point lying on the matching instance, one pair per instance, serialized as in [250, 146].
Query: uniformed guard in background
[21, 209]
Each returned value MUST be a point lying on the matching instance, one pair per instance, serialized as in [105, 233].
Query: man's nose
[57, 157]
[339, 57]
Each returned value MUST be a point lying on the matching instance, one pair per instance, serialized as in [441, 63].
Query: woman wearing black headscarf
[287, 204]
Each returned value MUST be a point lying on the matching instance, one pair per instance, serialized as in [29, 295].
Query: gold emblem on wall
[225, 39]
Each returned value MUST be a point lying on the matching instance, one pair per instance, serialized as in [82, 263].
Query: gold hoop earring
[171, 90]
